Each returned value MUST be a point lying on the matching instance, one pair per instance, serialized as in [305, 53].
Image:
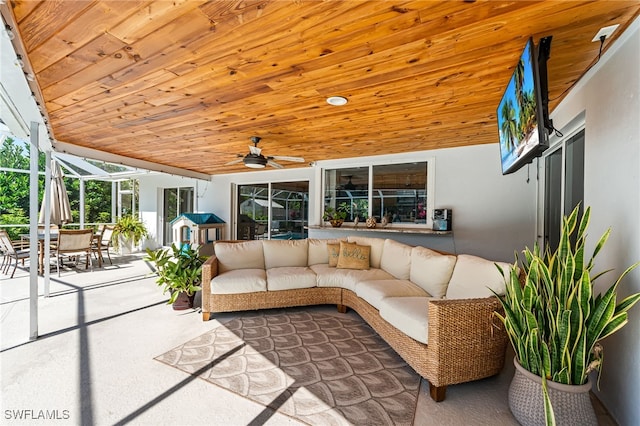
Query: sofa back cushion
[282, 253]
[244, 255]
[473, 276]
[353, 256]
[431, 270]
[376, 244]
[396, 259]
[318, 253]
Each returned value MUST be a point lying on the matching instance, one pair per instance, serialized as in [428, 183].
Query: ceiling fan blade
[274, 164]
[255, 150]
[285, 158]
[239, 160]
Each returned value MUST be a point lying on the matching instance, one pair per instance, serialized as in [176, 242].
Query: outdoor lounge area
[410, 134]
[94, 361]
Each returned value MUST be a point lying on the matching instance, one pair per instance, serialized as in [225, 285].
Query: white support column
[47, 222]
[33, 233]
[81, 203]
[114, 193]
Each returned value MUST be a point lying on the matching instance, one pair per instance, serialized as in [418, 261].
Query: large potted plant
[179, 273]
[127, 233]
[555, 323]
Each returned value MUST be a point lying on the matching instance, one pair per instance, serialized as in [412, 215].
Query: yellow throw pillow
[353, 256]
[334, 252]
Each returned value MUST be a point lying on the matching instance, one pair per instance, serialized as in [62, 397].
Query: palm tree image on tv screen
[517, 113]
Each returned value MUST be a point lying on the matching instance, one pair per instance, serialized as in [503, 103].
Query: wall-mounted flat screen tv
[521, 114]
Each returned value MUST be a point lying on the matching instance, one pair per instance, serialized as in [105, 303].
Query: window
[348, 188]
[399, 192]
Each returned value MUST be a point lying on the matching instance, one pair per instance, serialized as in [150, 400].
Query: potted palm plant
[555, 323]
[127, 233]
[179, 273]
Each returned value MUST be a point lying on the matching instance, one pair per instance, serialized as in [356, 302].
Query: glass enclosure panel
[289, 212]
[400, 193]
[348, 189]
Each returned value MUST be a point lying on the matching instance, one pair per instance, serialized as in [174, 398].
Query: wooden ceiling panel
[186, 83]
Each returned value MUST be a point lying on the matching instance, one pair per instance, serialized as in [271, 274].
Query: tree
[14, 190]
[509, 125]
[14, 186]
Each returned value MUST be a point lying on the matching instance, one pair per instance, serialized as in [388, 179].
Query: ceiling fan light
[255, 162]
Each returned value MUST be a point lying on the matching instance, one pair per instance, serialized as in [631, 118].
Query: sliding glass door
[563, 186]
[277, 210]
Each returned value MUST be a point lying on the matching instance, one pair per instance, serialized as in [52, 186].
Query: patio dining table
[53, 236]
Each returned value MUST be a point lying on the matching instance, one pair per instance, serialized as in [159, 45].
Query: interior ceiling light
[337, 100]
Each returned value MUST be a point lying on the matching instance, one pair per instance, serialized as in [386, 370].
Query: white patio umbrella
[60, 207]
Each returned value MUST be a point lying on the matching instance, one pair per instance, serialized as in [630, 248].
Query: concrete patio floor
[93, 363]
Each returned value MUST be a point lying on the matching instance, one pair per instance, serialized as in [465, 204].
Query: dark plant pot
[336, 223]
[571, 403]
[183, 302]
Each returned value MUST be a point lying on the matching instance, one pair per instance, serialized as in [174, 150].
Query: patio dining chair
[72, 244]
[103, 244]
[16, 250]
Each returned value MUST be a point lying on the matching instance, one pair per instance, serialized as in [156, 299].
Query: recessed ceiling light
[336, 100]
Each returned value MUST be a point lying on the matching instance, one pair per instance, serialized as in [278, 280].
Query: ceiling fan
[255, 160]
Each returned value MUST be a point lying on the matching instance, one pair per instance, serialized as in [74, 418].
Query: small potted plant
[179, 272]
[335, 216]
[555, 322]
[127, 233]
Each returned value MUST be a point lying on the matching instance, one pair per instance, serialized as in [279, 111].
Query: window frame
[430, 185]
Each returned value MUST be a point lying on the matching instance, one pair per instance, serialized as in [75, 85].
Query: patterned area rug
[319, 368]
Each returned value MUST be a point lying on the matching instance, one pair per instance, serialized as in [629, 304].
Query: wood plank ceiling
[187, 83]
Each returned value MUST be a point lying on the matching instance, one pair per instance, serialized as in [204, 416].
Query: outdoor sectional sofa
[434, 309]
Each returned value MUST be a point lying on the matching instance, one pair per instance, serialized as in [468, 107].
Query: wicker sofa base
[272, 299]
[444, 362]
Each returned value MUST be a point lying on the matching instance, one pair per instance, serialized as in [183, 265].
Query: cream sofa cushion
[396, 259]
[239, 281]
[318, 250]
[473, 276]
[410, 315]
[290, 277]
[376, 244]
[280, 253]
[374, 291]
[346, 278]
[431, 270]
[245, 255]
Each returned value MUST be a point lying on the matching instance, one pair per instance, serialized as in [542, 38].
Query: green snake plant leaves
[552, 317]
